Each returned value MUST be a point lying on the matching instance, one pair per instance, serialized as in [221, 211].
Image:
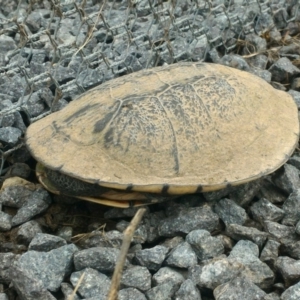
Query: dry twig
[128, 234]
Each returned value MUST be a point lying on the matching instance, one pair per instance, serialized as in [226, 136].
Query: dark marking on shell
[108, 138]
[55, 127]
[165, 189]
[81, 112]
[199, 189]
[175, 153]
[101, 124]
[129, 187]
[228, 185]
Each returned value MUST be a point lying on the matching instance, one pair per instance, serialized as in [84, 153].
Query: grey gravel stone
[115, 238]
[182, 256]
[264, 74]
[235, 61]
[151, 258]
[195, 272]
[292, 293]
[6, 120]
[204, 245]
[34, 104]
[282, 233]
[65, 232]
[19, 123]
[18, 170]
[14, 87]
[292, 249]
[46, 96]
[292, 209]
[46, 242]
[215, 273]
[3, 296]
[140, 235]
[48, 267]
[28, 231]
[238, 232]
[136, 277]
[244, 193]
[272, 296]
[131, 293]
[269, 253]
[239, 288]
[11, 246]
[162, 292]
[166, 275]
[258, 61]
[6, 261]
[230, 213]
[217, 195]
[29, 287]
[99, 258]
[187, 220]
[287, 178]
[283, 69]
[7, 43]
[35, 20]
[67, 290]
[246, 253]
[254, 44]
[5, 221]
[97, 238]
[188, 291]
[271, 192]
[243, 248]
[115, 213]
[226, 241]
[264, 210]
[172, 243]
[296, 96]
[295, 160]
[63, 74]
[296, 84]
[15, 195]
[93, 284]
[154, 219]
[10, 135]
[36, 203]
[289, 269]
[297, 228]
[132, 250]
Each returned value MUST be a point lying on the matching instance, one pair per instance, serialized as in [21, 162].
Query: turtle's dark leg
[60, 183]
[71, 186]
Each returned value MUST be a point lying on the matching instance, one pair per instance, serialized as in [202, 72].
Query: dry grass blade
[128, 234]
[71, 297]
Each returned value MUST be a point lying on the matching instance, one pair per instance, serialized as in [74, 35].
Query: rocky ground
[241, 243]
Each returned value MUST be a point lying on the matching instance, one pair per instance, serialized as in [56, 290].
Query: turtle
[159, 133]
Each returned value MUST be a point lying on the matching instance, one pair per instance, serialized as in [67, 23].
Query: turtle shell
[175, 129]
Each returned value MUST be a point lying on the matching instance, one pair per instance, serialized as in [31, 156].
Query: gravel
[237, 243]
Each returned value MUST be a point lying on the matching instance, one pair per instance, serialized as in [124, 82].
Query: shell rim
[177, 189]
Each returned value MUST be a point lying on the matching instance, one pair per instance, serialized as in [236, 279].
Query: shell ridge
[201, 101]
[175, 145]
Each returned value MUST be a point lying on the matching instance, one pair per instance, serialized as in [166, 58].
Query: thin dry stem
[128, 234]
[71, 297]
